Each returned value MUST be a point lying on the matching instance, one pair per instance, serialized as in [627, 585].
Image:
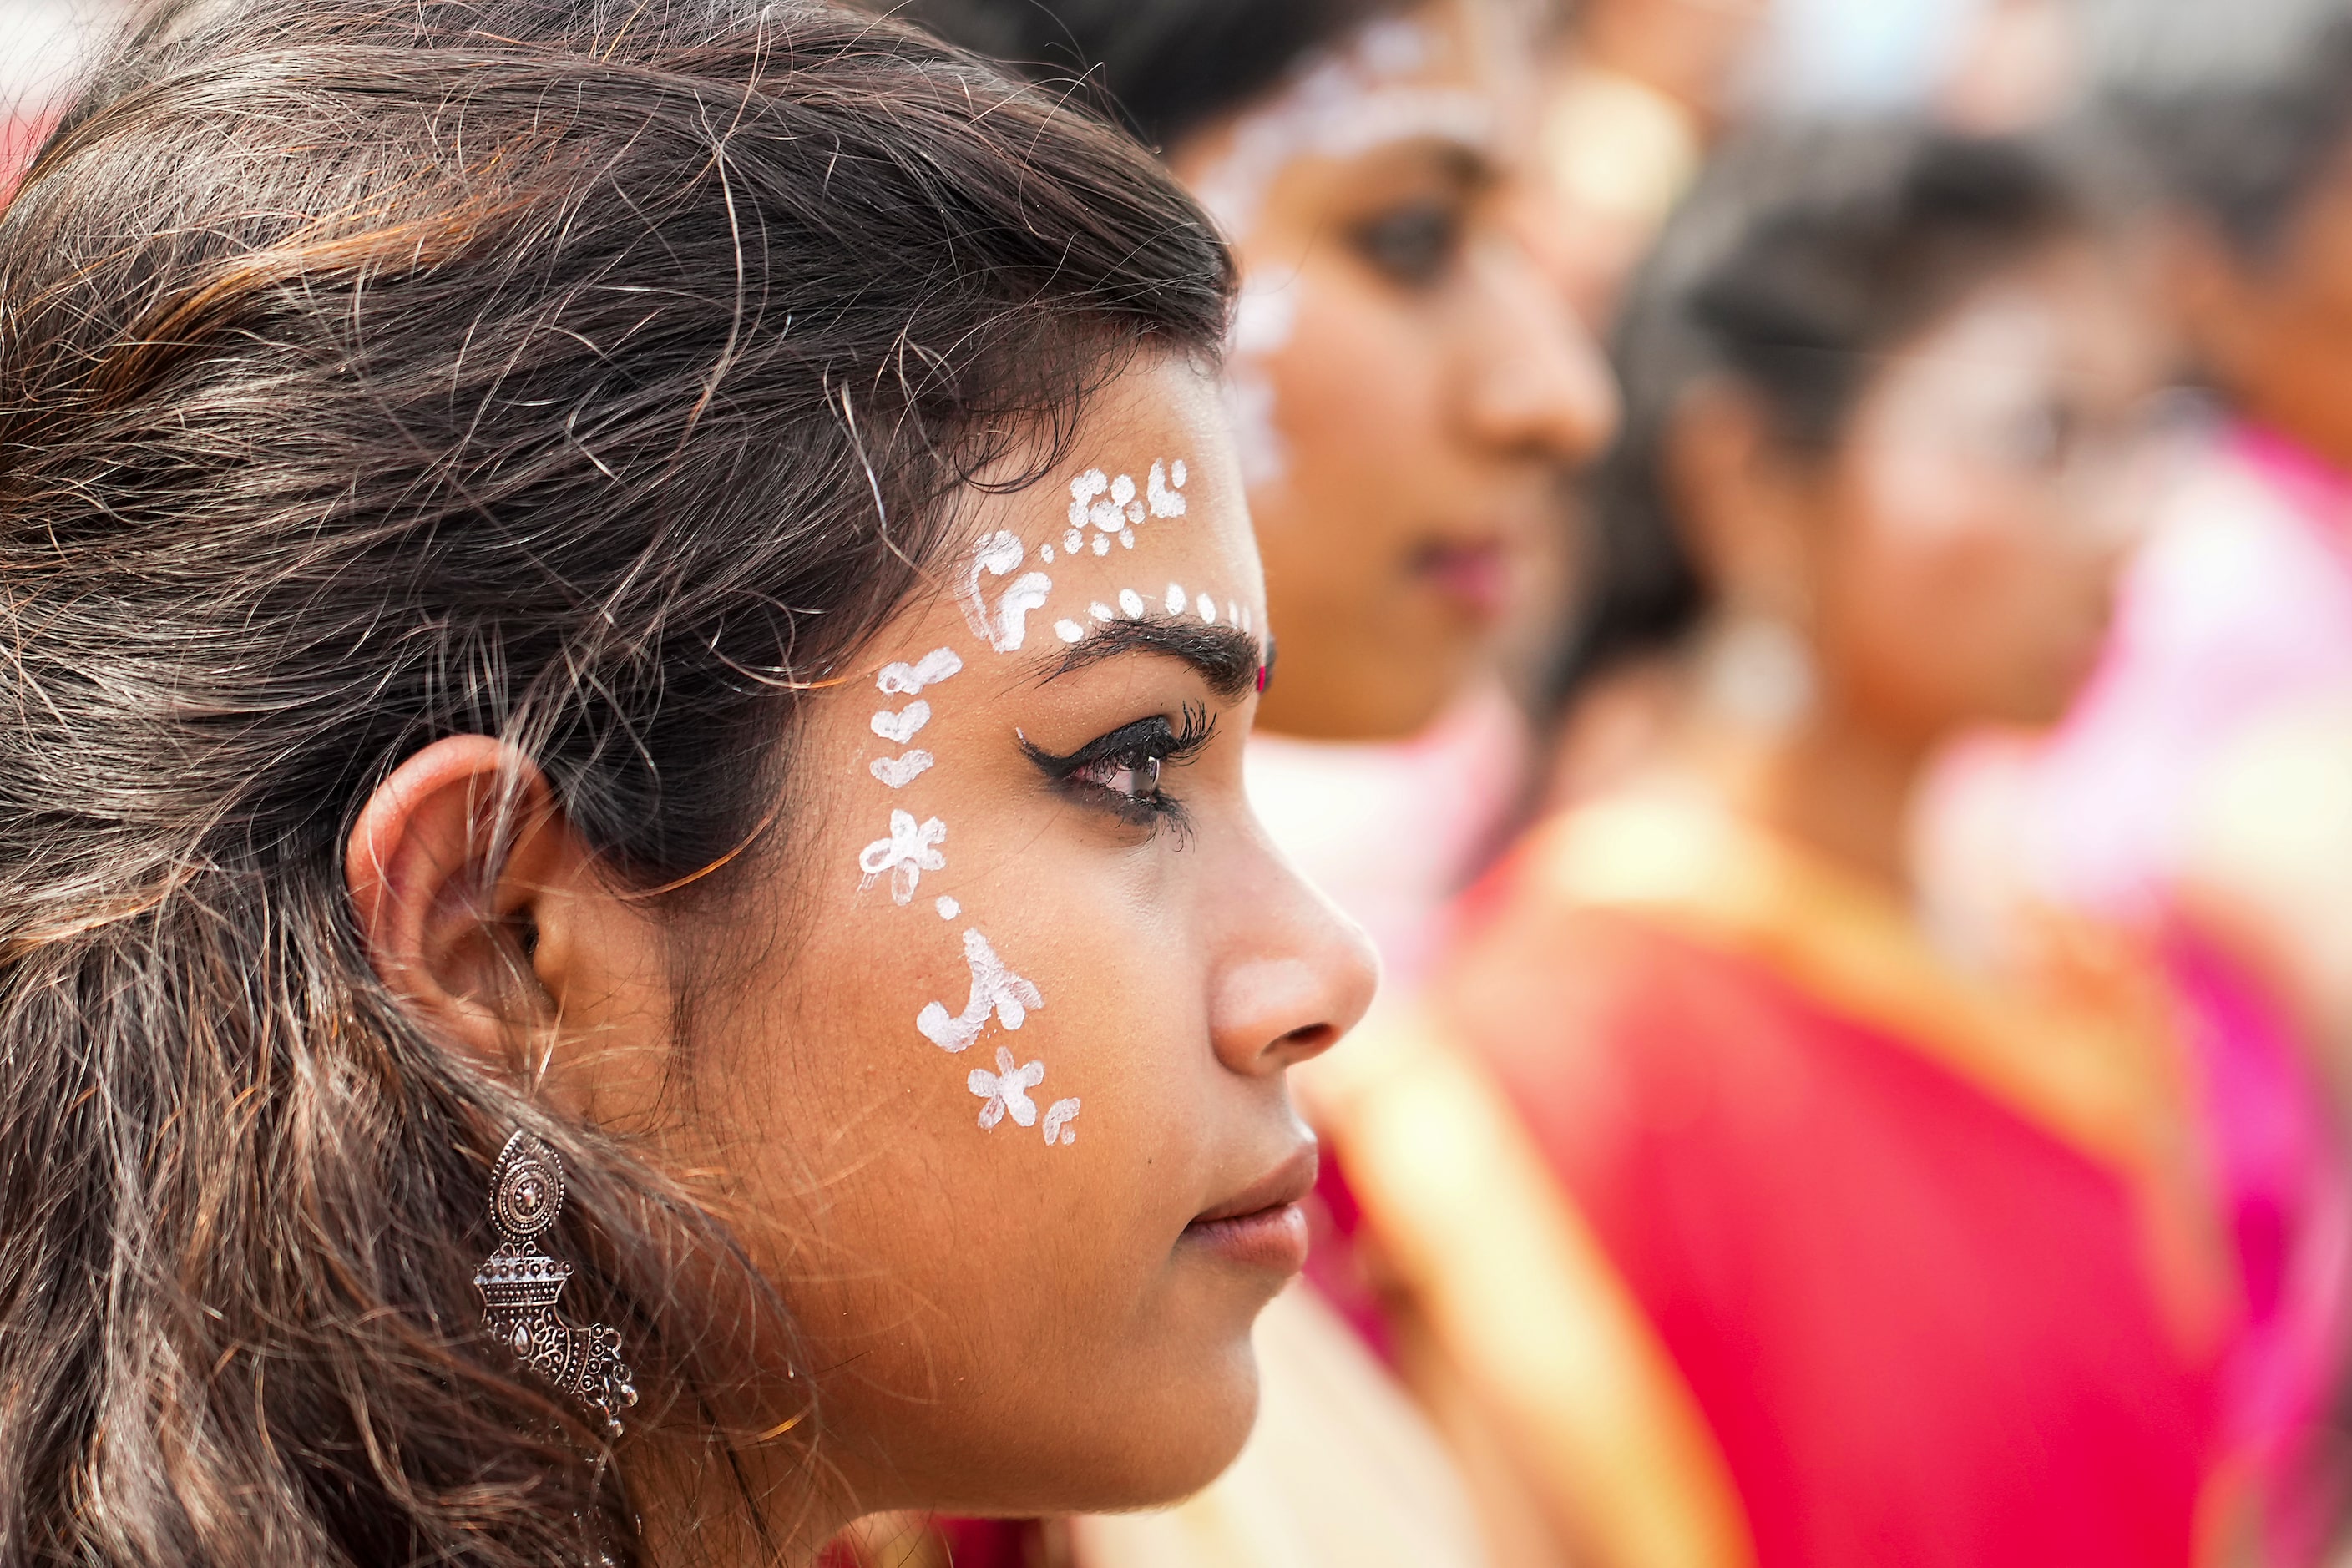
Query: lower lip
[1271, 1240]
[1477, 580]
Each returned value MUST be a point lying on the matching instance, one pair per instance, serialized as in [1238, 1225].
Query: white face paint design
[900, 772]
[1338, 105]
[900, 728]
[1261, 329]
[1006, 1091]
[908, 680]
[1103, 506]
[994, 989]
[1206, 608]
[906, 855]
[1007, 628]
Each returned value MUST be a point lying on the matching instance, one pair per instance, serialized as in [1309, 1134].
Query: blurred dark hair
[1803, 253]
[1168, 67]
[2243, 130]
[590, 374]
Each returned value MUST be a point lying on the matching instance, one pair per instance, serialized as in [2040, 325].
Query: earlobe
[445, 867]
[1741, 496]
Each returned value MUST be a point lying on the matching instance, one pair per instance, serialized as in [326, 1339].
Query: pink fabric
[2240, 603]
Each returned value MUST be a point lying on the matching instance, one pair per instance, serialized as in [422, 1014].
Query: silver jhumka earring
[520, 1286]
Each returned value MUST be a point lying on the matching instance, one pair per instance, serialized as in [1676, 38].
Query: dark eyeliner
[1151, 745]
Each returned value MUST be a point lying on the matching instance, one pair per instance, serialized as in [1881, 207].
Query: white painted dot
[1101, 612]
[1072, 541]
[1175, 598]
[1126, 537]
[1233, 611]
[949, 909]
[1207, 608]
[1102, 544]
[1176, 472]
[1045, 554]
[1122, 490]
[1130, 603]
[1069, 631]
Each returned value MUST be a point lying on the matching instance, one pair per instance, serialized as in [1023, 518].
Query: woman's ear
[451, 923]
[1738, 498]
[484, 912]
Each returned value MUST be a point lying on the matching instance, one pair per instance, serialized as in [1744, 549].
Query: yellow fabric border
[1525, 1301]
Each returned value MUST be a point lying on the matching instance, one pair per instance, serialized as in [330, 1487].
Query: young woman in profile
[629, 924]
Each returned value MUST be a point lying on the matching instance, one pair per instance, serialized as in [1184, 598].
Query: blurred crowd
[1811, 542]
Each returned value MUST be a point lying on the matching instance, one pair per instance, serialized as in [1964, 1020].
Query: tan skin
[992, 1322]
[1949, 564]
[1430, 393]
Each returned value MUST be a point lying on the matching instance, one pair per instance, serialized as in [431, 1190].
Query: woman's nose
[1295, 975]
[1537, 385]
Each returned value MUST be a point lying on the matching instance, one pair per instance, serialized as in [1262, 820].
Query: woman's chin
[1170, 1447]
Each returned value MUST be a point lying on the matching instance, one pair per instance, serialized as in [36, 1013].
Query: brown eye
[1136, 775]
[1414, 245]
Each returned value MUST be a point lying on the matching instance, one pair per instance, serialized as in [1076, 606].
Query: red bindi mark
[1265, 673]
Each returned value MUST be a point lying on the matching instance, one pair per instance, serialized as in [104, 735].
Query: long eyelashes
[1121, 772]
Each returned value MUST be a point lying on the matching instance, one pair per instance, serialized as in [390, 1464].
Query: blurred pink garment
[1393, 831]
[2239, 605]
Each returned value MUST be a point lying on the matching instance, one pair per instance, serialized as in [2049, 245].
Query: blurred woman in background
[1407, 388]
[1721, 1194]
[2201, 791]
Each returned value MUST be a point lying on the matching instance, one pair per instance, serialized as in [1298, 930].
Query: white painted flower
[1006, 1091]
[906, 855]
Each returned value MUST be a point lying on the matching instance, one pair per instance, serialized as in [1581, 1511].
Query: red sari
[1933, 1266]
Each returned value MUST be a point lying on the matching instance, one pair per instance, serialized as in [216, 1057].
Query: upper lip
[1290, 1179]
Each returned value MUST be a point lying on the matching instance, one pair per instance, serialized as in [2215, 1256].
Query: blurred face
[1974, 517]
[2277, 333]
[1005, 1094]
[1406, 390]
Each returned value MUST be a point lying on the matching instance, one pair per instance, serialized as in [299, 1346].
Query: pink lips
[1476, 577]
[1262, 1228]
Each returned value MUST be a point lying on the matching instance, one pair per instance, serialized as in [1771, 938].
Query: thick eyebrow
[1225, 657]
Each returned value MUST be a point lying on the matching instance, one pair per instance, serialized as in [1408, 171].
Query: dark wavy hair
[1167, 68]
[1805, 252]
[591, 373]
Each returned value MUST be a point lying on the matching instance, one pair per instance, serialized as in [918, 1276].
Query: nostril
[1309, 1041]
